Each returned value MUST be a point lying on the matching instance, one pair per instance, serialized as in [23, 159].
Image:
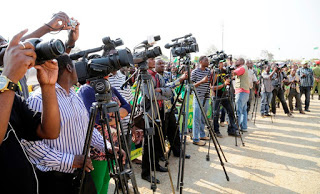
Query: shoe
[222, 124]
[205, 138]
[137, 161]
[161, 169]
[263, 116]
[307, 110]
[302, 112]
[162, 158]
[187, 156]
[243, 130]
[219, 135]
[233, 134]
[290, 115]
[267, 115]
[200, 143]
[311, 96]
[147, 178]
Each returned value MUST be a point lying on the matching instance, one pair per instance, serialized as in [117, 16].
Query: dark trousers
[250, 99]
[294, 93]
[216, 107]
[306, 91]
[280, 94]
[54, 182]
[223, 115]
[145, 154]
[171, 131]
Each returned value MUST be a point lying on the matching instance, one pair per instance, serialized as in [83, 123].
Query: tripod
[103, 106]
[184, 112]
[151, 115]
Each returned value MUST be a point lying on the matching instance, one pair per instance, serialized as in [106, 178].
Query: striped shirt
[306, 81]
[198, 75]
[116, 81]
[58, 154]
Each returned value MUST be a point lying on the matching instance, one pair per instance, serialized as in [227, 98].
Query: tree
[265, 54]
[212, 49]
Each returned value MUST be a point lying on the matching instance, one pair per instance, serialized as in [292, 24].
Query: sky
[287, 28]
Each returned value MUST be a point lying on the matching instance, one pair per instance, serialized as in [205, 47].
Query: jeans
[232, 127]
[241, 104]
[265, 102]
[223, 115]
[198, 120]
[294, 93]
[306, 92]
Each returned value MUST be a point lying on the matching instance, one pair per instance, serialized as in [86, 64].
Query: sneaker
[307, 110]
[244, 130]
[267, 115]
[222, 124]
[219, 135]
[200, 143]
[290, 115]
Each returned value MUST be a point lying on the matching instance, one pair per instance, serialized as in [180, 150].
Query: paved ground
[278, 157]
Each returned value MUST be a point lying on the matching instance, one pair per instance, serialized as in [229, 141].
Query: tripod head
[102, 89]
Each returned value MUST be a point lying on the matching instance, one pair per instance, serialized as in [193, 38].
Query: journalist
[242, 91]
[279, 79]
[266, 90]
[306, 79]
[221, 97]
[17, 121]
[294, 82]
[200, 78]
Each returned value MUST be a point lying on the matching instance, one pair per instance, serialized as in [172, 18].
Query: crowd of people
[43, 125]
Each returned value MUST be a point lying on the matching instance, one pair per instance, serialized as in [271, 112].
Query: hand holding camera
[227, 82]
[60, 21]
[18, 58]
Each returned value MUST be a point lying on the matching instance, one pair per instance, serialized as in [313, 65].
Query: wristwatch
[7, 84]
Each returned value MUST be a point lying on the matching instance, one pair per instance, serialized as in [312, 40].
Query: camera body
[102, 66]
[217, 57]
[72, 23]
[183, 47]
[147, 51]
[47, 50]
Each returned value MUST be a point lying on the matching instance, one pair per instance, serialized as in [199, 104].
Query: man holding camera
[279, 79]
[242, 92]
[17, 121]
[316, 75]
[220, 82]
[200, 78]
[306, 79]
[266, 90]
[294, 82]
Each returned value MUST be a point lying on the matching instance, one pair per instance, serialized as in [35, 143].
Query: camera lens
[49, 50]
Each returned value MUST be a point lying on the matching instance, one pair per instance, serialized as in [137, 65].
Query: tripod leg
[211, 133]
[162, 141]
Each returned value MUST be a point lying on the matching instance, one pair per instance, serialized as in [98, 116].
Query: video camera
[262, 63]
[103, 66]
[183, 47]
[146, 53]
[215, 58]
[280, 65]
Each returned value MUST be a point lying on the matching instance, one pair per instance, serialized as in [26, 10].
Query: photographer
[294, 81]
[242, 92]
[316, 75]
[279, 79]
[221, 80]
[17, 121]
[200, 78]
[252, 82]
[266, 90]
[306, 78]
[168, 118]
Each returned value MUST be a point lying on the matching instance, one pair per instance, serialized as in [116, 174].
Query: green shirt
[316, 72]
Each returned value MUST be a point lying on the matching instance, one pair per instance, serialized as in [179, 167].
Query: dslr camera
[183, 47]
[47, 50]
